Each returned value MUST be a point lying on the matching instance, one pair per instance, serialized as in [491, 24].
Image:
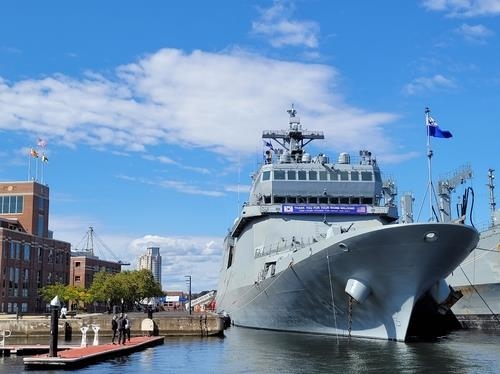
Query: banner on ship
[323, 209]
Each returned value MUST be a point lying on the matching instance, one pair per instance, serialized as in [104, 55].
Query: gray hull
[478, 278]
[392, 267]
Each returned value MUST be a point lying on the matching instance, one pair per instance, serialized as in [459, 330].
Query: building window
[11, 204]
[77, 279]
[27, 251]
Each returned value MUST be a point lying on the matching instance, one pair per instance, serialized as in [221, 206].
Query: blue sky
[153, 111]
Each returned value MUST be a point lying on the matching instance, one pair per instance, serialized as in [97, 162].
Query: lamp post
[54, 316]
[122, 307]
[188, 280]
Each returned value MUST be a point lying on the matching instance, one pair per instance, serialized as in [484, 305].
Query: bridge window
[334, 175]
[355, 176]
[291, 175]
[366, 176]
[266, 175]
[302, 175]
[279, 175]
[279, 199]
[323, 175]
[344, 175]
[313, 175]
[323, 200]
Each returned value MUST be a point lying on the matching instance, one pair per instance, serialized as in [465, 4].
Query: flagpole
[29, 165]
[430, 187]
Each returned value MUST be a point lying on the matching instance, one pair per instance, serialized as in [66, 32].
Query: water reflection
[258, 351]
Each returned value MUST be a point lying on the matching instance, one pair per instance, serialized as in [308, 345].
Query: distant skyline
[149, 116]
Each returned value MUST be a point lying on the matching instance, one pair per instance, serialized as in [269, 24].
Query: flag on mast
[434, 130]
[33, 153]
[41, 143]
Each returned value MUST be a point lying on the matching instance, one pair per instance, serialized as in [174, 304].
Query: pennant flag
[44, 158]
[41, 143]
[33, 153]
[434, 129]
[268, 144]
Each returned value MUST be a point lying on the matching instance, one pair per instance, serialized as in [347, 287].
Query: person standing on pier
[121, 329]
[127, 329]
[114, 328]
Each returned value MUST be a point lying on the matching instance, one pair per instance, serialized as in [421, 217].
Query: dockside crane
[89, 238]
[447, 186]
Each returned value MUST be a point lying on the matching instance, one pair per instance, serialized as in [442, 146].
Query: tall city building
[151, 261]
[30, 258]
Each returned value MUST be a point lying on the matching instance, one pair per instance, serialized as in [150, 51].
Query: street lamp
[122, 311]
[54, 315]
[188, 279]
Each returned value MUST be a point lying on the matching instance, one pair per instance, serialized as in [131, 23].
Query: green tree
[131, 286]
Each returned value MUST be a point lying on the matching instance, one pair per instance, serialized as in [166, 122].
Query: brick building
[30, 258]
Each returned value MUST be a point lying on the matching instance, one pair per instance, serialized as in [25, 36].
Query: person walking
[121, 329]
[114, 328]
[127, 329]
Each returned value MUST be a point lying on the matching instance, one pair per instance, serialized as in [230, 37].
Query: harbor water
[257, 351]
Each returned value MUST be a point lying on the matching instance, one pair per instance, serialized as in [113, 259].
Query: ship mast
[491, 187]
[294, 139]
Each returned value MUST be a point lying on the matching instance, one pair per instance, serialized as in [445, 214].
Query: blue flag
[434, 129]
[268, 144]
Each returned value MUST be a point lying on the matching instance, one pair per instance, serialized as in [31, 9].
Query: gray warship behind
[478, 276]
[317, 248]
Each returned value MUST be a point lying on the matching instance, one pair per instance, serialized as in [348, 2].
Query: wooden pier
[91, 354]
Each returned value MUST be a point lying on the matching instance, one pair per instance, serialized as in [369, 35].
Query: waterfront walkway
[91, 354]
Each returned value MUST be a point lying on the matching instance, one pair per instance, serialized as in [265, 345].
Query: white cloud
[464, 8]
[434, 83]
[275, 25]
[217, 101]
[474, 33]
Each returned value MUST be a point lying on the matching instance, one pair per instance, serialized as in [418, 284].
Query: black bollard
[54, 316]
[68, 331]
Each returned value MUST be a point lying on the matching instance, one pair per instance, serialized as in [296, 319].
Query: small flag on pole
[269, 145]
[434, 130]
[41, 143]
[44, 158]
[33, 153]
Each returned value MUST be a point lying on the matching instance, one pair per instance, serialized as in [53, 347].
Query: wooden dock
[91, 354]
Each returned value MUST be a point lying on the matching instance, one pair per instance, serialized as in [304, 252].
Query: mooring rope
[495, 316]
[333, 300]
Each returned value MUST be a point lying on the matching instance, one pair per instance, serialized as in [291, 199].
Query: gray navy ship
[318, 248]
[478, 276]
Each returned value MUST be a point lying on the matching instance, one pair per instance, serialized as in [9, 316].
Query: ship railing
[285, 245]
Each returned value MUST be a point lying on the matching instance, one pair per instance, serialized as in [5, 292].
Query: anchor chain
[349, 315]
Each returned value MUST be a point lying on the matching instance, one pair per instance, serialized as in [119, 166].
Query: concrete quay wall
[166, 324]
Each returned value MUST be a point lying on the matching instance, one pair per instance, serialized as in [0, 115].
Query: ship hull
[387, 268]
[478, 279]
